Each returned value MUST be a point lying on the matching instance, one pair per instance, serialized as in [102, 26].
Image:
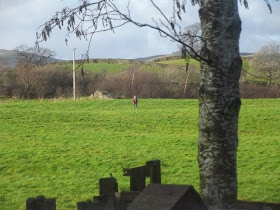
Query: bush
[256, 90]
[52, 81]
[145, 84]
[48, 81]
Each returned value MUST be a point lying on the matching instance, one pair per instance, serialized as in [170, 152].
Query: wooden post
[137, 179]
[106, 199]
[133, 75]
[154, 171]
[108, 186]
[74, 76]
[138, 175]
[40, 203]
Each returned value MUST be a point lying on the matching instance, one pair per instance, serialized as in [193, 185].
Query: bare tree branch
[95, 16]
[85, 20]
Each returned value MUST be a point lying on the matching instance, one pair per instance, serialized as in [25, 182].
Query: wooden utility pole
[133, 75]
[74, 76]
[186, 83]
[132, 81]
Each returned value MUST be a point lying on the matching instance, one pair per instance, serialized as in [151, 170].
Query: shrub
[52, 81]
[48, 81]
[257, 90]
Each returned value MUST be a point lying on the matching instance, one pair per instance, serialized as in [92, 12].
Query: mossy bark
[219, 102]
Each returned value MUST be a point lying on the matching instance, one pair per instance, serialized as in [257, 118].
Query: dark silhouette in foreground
[155, 196]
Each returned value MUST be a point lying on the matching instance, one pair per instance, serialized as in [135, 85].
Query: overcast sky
[19, 20]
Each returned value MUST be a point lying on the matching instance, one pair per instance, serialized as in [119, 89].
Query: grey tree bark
[219, 102]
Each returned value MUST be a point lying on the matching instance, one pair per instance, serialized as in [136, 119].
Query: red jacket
[135, 100]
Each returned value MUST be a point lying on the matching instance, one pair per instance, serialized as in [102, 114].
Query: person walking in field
[135, 102]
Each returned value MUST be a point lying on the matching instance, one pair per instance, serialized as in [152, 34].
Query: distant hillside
[10, 58]
[245, 54]
[178, 53]
[148, 58]
[155, 57]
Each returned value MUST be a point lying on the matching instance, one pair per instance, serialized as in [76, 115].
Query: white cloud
[259, 27]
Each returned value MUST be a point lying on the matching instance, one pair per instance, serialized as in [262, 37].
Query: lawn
[99, 67]
[61, 148]
[113, 67]
[181, 62]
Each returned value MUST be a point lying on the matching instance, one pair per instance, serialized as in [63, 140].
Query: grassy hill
[153, 64]
[61, 148]
[249, 73]
[122, 65]
[181, 62]
[116, 67]
[161, 64]
[9, 57]
[101, 66]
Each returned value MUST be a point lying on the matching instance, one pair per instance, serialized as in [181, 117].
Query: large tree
[33, 55]
[219, 99]
[192, 36]
[266, 62]
[219, 102]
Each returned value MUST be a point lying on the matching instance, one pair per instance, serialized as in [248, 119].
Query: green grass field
[61, 148]
[113, 67]
[181, 62]
[99, 67]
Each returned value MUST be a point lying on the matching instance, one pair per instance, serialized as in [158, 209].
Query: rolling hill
[8, 57]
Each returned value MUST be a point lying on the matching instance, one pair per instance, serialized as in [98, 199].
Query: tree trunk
[268, 77]
[219, 102]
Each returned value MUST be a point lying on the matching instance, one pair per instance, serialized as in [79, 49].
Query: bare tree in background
[27, 76]
[33, 55]
[192, 36]
[266, 62]
[221, 64]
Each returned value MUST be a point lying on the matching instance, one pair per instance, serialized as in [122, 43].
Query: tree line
[33, 77]
[30, 81]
